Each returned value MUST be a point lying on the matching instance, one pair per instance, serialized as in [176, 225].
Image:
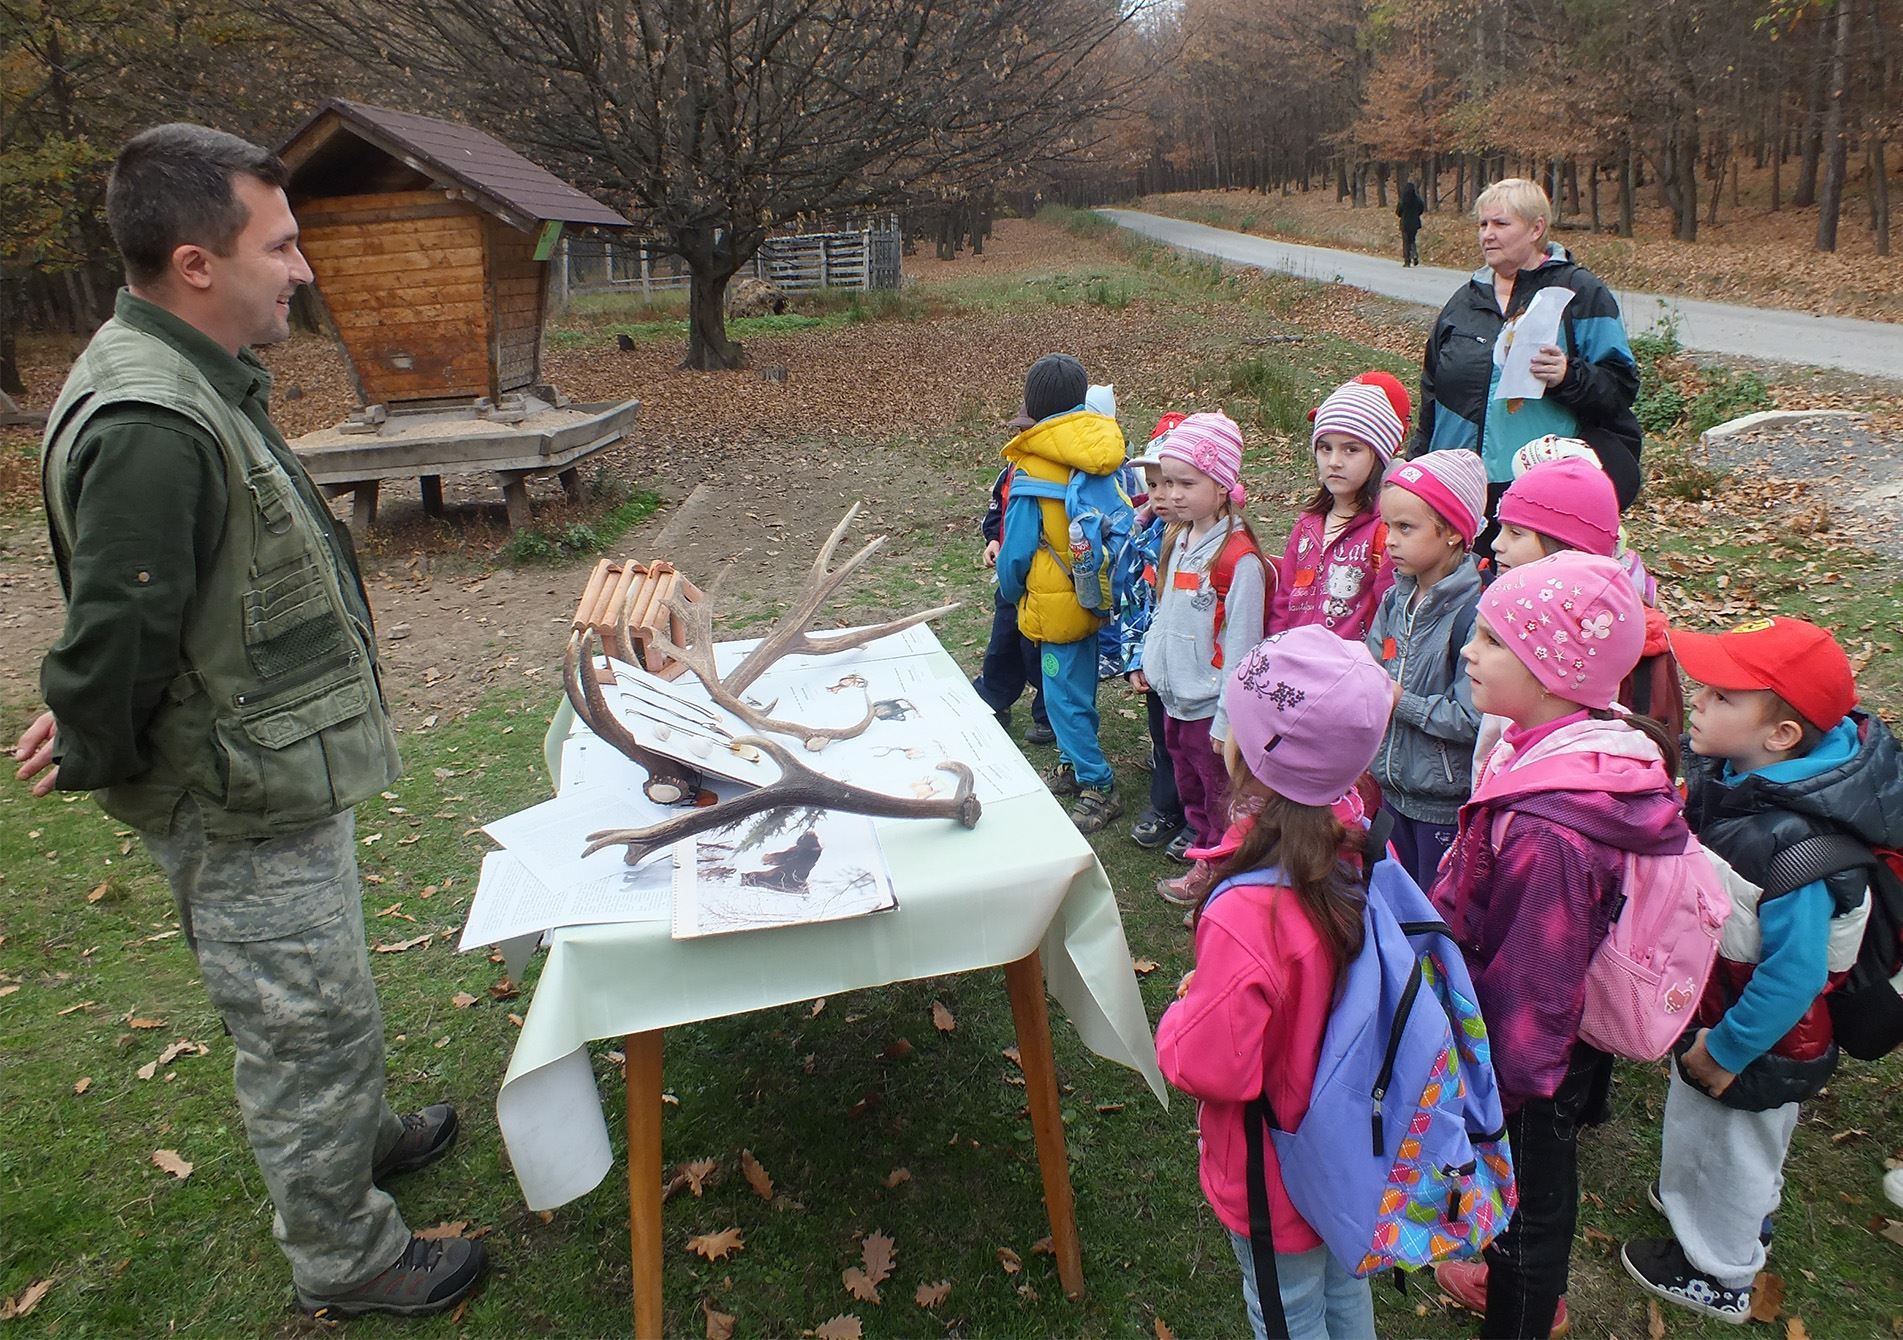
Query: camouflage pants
[277, 927]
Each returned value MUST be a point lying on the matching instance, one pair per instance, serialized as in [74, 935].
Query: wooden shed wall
[515, 282]
[404, 278]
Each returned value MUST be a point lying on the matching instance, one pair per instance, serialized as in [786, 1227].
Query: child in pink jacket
[1306, 712]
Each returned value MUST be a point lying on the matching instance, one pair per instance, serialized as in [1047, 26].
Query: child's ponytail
[1652, 730]
[1308, 844]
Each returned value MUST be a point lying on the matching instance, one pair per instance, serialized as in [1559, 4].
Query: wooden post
[643, 1071]
[363, 505]
[1024, 980]
[432, 486]
[571, 483]
[515, 497]
[825, 280]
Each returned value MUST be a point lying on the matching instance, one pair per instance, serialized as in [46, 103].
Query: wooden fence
[846, 257]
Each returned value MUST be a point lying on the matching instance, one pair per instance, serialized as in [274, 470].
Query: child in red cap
[1778, 754]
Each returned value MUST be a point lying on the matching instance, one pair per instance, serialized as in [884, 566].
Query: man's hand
[991, 553]
[1549, 364]
[34, 753]
[1704, 1071]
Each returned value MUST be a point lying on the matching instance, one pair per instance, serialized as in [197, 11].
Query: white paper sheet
[510, 902]
[781, 868]
[1523, 337]
[549, 838]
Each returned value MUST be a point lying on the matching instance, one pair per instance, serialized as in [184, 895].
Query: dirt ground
[766, 458]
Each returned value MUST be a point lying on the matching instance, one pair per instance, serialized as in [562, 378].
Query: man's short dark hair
[172, 185]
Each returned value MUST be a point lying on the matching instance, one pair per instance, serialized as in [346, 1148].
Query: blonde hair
[1523, 199]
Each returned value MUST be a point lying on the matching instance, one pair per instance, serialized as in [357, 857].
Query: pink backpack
[1646, 977]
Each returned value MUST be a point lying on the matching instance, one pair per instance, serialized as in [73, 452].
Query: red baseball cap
[1798, 661]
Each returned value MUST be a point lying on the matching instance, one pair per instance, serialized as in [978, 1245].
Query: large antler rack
[670, 782]
[789, 635]
[798, 786]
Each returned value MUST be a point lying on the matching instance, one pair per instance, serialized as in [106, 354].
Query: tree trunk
[1777, 157]
[10, 380]
[1627, 186]
[1836, 139]
[1879, 194]
[1813, 132]
[1592, 192]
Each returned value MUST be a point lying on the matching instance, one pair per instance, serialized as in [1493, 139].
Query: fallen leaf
[462, 1000]
[931, 1295]
[167, 1160]
[24, 1301]
[436, 1232]
[859, 1285]
[717, 1246]
[876, 1251]
[1108, 1108]
[399, 947]
[896, 1176]
[1011, 1055]
[99, 891]
[516, 1019]
[9, 988]
[145, 1023]
[897, 1050]
[1163, 1331]
[1010, 1260]
[1043, 1247]
[75, 1009]
[843, 1327]
[1654, 1320]
[457, 1313]
[1600, 1236]
[1794, 1329]
[504, 990]
[942, 1018]
[1893, 1230]
[697, 1172]
[867, 1101]
[1145, 966]
[757, 1177]
[719, 1324]
[149, 1069]
[83, 1083]
[1767, 1296]
[183, 1047]
[818, 1005]
[373, 839]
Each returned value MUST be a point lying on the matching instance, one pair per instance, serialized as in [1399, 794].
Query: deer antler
[669, 782]
[798, 786]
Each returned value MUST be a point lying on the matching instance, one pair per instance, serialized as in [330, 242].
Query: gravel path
[1858, 466]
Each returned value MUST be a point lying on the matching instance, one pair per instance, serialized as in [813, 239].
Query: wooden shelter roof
[496, 177]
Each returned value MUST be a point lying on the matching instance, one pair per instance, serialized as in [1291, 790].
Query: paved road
[1871, 347]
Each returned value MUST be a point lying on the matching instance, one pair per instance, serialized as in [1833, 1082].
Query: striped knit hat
[1453, 482]
[1211, 443]
[1364, 413]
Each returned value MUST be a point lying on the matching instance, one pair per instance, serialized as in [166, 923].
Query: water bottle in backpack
[1084, 560]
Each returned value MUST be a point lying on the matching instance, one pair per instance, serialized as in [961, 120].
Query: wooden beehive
[642, 590]
[423, 235]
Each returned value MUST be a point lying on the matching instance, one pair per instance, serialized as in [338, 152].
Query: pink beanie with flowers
[1453, 482]
[1363, 412]
[1211, 443]
[1570, 500]
[1572, 619]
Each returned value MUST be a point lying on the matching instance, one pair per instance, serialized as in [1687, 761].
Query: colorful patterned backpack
[1402, 1158]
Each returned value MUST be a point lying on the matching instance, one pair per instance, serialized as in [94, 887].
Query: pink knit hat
[1573, 619]
[1307, 711]
[1570, 500]
[1452, 482]
[1364, 413]
[1211, 443]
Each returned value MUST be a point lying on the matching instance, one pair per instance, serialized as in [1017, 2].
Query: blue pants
[1070, 695]
[1420, 845]
[1320, 1299]
[1010, 664]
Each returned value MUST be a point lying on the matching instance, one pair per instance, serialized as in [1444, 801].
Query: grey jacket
[1425, 765]
[1179, 651]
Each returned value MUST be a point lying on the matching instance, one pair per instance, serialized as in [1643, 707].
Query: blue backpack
[1100, 516]
[1402, 1158]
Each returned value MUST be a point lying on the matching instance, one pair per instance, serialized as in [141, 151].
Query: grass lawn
[97, 985]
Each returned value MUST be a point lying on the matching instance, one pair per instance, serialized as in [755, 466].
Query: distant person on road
[216, 689]
[1409, 212]
[1590, 375]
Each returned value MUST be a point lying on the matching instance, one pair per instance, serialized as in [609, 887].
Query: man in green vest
[216, 688]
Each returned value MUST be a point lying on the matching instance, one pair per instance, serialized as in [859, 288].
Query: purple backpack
[1402, 1158]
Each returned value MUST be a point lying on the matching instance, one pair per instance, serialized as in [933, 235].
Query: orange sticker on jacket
[1188, 581]
[1304, 577]
[1387, 648]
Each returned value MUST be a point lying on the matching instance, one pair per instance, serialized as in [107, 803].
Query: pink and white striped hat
[1363, 412]
[1453, 482]
[1212, 443]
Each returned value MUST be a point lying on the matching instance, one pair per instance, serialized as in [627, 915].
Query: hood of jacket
[1603, 779]
[1078, 440]
[1862, 794]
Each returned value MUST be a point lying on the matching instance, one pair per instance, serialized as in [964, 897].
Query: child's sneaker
[1188, 888]
[1660, 1267]
[1155, 830]
[1178, 850]
[1061, 778]
[1095, 809]
[1466, 1283]
[1040, 732]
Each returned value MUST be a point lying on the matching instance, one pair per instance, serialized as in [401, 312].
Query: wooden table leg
[571, 483]
[432, 486]
[643, 1069]
[1024, 980]
[363, 507]
[515, 497]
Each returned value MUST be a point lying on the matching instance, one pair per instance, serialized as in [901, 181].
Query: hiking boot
[1188, 888]
[1152, 830]
[1094, 808]
[1766, 1230]
[1040, 733]
[1178, 850]
[1660, 1267]
[1061, 778]
[427, 1136]
[1465, 1282]
[430, 1276]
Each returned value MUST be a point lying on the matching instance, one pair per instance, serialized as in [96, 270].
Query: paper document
[510, 901]
[788, 867]
[1523, 337]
